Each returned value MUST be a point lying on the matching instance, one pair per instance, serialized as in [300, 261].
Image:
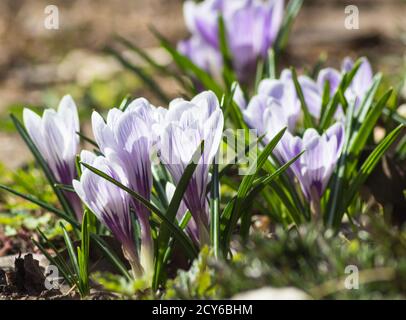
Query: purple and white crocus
[252, 27]
[185, 125]
[314, 168]
[283, 91]
[127, 138]
[55, 136]
[111, 205]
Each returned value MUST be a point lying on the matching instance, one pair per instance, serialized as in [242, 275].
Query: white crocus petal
[67, 110]
[102, 132]
[113, 116]
[33, 124]
[336, 131]
[87, 157]
[239, 98]
[206, 101]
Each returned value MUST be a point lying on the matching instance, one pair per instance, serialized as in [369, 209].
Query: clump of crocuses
[277, 105]
[128, 141]
[251, 29]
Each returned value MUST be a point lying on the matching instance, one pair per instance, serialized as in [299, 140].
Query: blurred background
[38, 66]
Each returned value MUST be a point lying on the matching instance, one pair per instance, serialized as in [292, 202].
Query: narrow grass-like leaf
[70, 249]
[321, 60]
[42, 204]
[271, 63]
[173, 208]
[83, 256]
[164, 70]
[182, 224]
[186, 65]
[267, 179]
[230, 109]
[368, 98]
[325, 99]
[69, 277]
[239, 156]
[258, 185]
[245, 186]
[60, 262]
[308, 120]
[395, 116]
[369, 165]
[110, 255]
[292, 11]
[185, 220]
[338, 180]
[183, 183]
[228, 72]
[125, 102]
[147, 79]
[215, 211]
[367, 125]
[159, 187]
[87, 139]
[64, 187]
[259, 74]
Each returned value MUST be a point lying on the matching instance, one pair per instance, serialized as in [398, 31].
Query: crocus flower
[55, 136]
[283, 91]
[203, 55]
[185, 125]
[111, 205]
[128, 138]
[266, 115]
[361, 83]
[251, 25]
[315, 167]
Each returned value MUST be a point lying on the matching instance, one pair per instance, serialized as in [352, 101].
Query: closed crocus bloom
[110, 204]
[186, 125]
[315, 167]
[252, 27]
[266, 115]
[361, 83]
[203, 55]
[283, 91]
[55, 136]
[128, 138]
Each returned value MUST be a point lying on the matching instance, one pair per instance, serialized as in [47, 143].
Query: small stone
[269, 293]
